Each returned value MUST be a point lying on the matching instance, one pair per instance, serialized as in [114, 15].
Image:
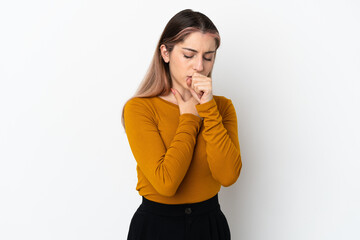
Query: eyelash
[206, 59]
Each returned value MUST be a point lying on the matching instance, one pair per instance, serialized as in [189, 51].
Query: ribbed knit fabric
[181, 158]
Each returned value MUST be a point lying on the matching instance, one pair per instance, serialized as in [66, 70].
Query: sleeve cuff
[205, 108]
[191, 117]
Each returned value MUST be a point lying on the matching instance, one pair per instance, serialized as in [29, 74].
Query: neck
[185, 92]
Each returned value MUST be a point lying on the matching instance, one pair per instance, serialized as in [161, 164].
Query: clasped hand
[200, 87]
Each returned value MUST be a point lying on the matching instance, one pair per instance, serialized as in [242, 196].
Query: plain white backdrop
[291, 68]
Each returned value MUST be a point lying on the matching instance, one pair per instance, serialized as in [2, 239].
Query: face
[196, 54]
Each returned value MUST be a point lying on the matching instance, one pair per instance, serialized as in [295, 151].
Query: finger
[200, 81]
[202, 87]
[195, 95]
[189, 82]
[201, 77]
[178, 96]
[198, 75]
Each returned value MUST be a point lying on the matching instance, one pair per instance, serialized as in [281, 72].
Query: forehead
[201, 42]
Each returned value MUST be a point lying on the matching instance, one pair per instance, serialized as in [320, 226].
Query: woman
[185, 142]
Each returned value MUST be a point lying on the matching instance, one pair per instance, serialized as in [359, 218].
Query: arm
[222, 143]
[163, 168]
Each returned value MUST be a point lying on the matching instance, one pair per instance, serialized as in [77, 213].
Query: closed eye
[206, 59]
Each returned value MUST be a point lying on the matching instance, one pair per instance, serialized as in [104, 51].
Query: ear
[164, 53]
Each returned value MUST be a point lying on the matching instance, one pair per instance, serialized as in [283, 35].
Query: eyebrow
[197, 51]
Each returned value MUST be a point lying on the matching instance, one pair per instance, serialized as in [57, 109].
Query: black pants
[196, 221]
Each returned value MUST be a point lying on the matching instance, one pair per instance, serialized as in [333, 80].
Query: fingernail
[172, 90]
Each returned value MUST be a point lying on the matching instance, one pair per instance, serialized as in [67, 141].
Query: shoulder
[220, 98]
[222, 102]
[139, 106]
[225, 107]
[138, 102]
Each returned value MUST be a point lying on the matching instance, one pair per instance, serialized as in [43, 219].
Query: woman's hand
[200, 87]
[188, 106]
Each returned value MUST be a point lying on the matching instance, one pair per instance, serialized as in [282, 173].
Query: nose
[198, 64]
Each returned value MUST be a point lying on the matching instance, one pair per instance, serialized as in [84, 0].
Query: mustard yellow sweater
[181, 158]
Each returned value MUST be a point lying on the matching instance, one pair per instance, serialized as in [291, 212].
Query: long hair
[157, 80]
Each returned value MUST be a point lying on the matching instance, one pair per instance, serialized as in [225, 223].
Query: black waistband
[180, 209]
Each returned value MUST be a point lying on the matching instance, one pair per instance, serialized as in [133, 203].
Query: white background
[291, 68]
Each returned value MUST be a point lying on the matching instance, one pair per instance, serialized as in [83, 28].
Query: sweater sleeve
[163, 168]
[222, 143]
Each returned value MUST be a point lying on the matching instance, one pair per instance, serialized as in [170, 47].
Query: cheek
[209, 65]
[176, 67]
[180, 64]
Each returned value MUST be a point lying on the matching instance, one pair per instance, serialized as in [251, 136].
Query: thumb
[195, 95]
[178, 96]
